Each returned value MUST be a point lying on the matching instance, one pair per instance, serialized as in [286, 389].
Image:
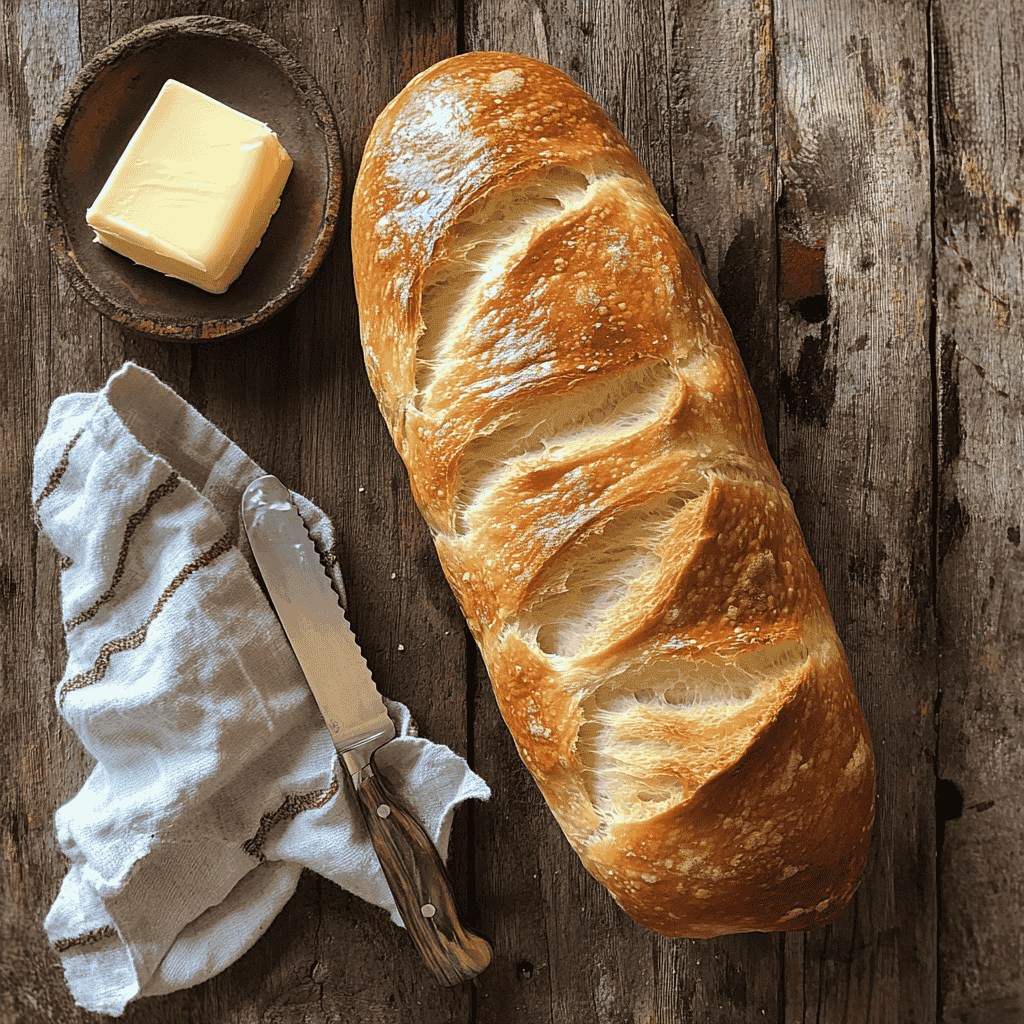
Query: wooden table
[851, 176]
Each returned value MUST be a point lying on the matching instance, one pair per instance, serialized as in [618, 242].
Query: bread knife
[326, 648]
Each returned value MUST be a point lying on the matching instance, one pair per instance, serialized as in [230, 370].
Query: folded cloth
[215, 781]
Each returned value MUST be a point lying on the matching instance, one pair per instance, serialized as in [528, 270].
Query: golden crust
[582, 440]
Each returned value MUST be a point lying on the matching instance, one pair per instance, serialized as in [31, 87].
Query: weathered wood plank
[725, 177]
[560, 940]
[979, 147]
[38, 759]
[721, 187]
[691, 88]
[856, 447]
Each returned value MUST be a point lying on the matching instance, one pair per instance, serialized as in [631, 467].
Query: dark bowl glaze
[245, 69]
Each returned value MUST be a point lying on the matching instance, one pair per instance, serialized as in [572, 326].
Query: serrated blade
[314, 621]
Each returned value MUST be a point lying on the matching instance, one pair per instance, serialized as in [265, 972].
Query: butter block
[194, 191]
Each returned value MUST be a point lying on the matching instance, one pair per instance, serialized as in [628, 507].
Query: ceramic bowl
[247, 70]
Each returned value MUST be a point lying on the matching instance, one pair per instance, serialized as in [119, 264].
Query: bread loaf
[583, 442]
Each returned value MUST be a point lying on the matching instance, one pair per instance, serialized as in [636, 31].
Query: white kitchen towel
[215, 780]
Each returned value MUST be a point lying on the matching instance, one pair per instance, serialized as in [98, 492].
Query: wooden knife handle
[420, 884]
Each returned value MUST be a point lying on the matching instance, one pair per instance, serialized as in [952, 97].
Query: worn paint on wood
[850, 177]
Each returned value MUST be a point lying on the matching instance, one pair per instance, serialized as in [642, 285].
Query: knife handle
[420, 884]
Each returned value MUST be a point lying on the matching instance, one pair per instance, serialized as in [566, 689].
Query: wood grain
[979, 355]
[850, 177]
[419, 881]
[856, 453]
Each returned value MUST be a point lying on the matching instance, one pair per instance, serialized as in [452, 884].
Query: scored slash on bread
[583, 442]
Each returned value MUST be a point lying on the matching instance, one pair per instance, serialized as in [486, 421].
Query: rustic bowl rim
[308, 92]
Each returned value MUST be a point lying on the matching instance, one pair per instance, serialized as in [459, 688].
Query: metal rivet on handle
[383, 811]
[428, 910]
